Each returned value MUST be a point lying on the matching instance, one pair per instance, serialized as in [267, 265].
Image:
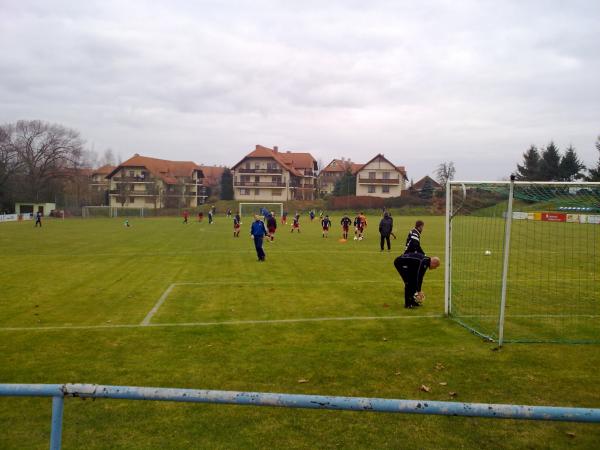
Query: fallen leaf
[425, 388]
[398, 373]
[302, 380]
[452, 394]
[571, 434]
[443, 383]
[439, 366]
[385, 339]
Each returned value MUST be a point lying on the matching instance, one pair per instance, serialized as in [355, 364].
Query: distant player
[312, 215]
[210, 215]
[413, 240]
[186, 214]
[200, 216]
[236, 225]
[126, 223]
[296, 223]
[271, 225]
[326, 224]
[386, 226]
[345, 222]
[38, 219]
[355, 223]
[361, 225]
[228, 212]
[284, 218]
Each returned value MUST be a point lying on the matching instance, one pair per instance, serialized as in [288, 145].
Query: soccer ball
[355, 238]
[487, 253]
[360, 238]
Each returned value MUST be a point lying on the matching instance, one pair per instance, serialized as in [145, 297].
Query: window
[372, 176]
[131, 199]
[276, 179]
[244, 191]
[371, 188]
[256, 191]
[245, 178]
[247, 165]
[256, 165]
[131, 173]
[386, 175]
[149, 200]
[385, 189]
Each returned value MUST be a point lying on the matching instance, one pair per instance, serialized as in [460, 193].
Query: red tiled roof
[399, 169]
[161, 168]
[104, 170]
[212, 174]
[291, 161]
[421, 183]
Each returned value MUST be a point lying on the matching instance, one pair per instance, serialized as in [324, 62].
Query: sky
[475, 82]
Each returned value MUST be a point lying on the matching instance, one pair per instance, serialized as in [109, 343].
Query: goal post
[110, 211]
[523, 260]
[252, 209]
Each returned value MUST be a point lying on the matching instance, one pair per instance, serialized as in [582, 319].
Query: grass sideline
[97, 272]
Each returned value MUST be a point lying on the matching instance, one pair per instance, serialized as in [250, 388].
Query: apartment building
[330, 174]
[144, 182]
[269, 175]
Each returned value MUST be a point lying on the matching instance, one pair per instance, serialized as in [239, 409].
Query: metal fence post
[57, 418]
[448, 255]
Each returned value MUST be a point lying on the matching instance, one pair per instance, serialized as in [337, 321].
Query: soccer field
[172, 305]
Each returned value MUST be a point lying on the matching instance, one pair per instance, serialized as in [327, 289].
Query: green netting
[553, 284]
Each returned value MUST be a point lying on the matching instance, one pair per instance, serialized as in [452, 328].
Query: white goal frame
[113, 211]
[280, 205]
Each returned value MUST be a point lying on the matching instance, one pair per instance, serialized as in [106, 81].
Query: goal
[110, 211]
[523, 260]
[251, 209]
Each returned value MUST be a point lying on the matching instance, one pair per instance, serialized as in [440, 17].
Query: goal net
[110, 211]
[523, 260]
[252, 209]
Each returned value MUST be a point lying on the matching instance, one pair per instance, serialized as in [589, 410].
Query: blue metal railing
[59, 391]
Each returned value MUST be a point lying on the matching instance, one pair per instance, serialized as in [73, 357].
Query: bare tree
[445, 172]
[9, 161]
[45, 151]
[108, 158]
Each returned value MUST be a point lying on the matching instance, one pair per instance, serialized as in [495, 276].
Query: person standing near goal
[296, 223]
[412, 268]
[413, 240]
[38, 219]
[326, 224]
[258, 232]
[271, 225]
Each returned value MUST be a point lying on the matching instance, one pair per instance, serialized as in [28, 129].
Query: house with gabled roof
[267, 174]
[144, 182]
[380, 178]
[332, 172]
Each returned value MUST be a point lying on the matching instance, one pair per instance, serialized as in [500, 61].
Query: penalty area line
[230, 322]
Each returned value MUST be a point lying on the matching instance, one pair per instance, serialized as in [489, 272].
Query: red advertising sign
[554, 217]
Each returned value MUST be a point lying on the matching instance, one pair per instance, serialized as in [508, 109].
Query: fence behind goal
[110, 211]
[523, 260]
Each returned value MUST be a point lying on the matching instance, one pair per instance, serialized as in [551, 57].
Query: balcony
[134, 179]
[273, 184]
[266, 171]
[379, 181]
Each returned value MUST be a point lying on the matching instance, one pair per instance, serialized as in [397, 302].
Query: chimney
[256, 148]
[136, 154]
[275, 149]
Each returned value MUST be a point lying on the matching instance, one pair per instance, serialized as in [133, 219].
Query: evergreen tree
[226, 185]
[594, 172]
[571, 166]
[530, 170]
[346, 185]
[550, 163]
[426, 190]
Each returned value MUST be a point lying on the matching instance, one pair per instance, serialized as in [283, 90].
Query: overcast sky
[470, 81]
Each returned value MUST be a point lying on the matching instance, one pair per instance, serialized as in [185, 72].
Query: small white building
[380, 178]
[33, 207]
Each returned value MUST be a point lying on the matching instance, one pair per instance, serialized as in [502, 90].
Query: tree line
[549, 164]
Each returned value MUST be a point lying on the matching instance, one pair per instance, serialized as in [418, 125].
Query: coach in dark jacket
[385, 230]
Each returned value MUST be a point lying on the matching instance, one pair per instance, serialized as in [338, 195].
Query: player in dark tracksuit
[258, 232]
[412, 268]
[413, 240]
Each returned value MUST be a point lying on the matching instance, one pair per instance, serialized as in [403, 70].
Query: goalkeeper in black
[412, 268]
[413, 240]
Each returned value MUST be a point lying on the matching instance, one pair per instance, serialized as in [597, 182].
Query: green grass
[96, 272]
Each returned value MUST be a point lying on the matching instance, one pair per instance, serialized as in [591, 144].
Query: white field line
[231, 322]
[158, 304]
[530, 316]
